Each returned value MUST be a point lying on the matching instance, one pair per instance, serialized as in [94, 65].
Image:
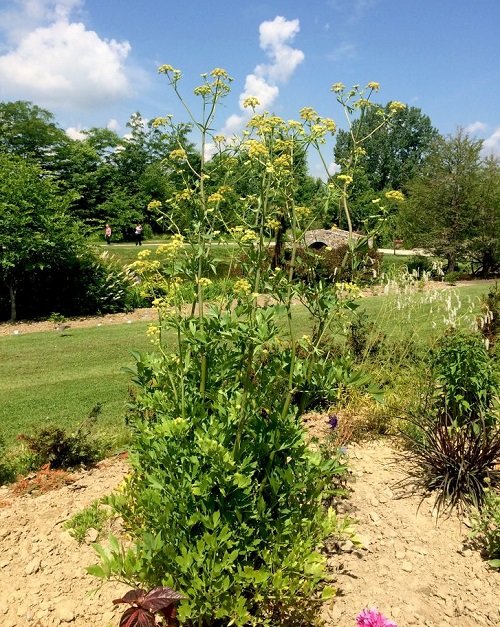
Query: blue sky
[94, 62]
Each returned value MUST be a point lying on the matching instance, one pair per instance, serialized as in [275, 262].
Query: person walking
[107, 234]
[138, 234]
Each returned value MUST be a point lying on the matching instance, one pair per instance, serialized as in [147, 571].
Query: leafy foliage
[92, 517]
[53, 445]
[486, 526]
[144, 606]
[455, 442]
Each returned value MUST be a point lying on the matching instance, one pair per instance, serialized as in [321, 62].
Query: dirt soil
[413, 568]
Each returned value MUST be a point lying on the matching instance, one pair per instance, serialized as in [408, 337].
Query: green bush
[486, 526]
[53, 445]
[489, 320]
[224, 506]
[454, 435]
[7, 473]
[466, 379]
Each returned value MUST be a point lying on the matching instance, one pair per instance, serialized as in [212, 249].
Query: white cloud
[263, 83]
[491, 145]
[476, 127]
[343, 51]
[75, 133]
[60, 61]
[113, 125]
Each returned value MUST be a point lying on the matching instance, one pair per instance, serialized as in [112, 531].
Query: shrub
[457, 462]
[465, 379]
[486, 526]
[489, 320]
[53, 445]
[6, 471]
[420, 264]
[454, 435]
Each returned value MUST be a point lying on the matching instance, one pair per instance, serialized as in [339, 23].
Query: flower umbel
[373, 618]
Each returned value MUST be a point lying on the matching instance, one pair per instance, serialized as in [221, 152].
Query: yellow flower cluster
[185, 194]
[395, 195]
[166, 69]
[204, 281]
[273, 224]
[157, 122]
[374, 86]
[154, 204]
[350, 289]
[215, 198]
[203, 90]
[251, 102]
[283, 162]
[329, 125]
[346, 178]
[337, 88]
[179, 154]
[256, 149]
[242, 286]
[220, 73]
[248, 236]
[302, 212]
[396, 106]
[171, 248]
[308, 114]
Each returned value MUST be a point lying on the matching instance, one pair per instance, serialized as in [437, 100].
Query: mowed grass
[51, 378]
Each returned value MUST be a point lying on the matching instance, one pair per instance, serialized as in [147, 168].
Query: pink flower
[373, 618]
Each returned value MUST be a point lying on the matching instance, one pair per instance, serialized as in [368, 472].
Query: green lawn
[52, 378]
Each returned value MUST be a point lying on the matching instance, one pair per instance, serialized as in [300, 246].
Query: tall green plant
[227, 501]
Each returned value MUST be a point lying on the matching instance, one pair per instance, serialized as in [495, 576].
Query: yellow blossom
[215, 198]
[204, 281]
[273, 224]
[219, 73]
[242, 286]
[329, 124]
[179, 154]
[256, 149]
[302, 212]
[308, 114]
[396, 106]
[374, 86]
[154, 204]
[346, 178]
[395, 195]
[251, 102]
[202, 90]
[143, 254]
[337, 88]
[166, 69]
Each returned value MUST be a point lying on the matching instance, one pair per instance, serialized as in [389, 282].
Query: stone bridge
[333, 238]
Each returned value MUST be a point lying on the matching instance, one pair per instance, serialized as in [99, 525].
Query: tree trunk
[452, 262]
[12, 297]
[488, 263]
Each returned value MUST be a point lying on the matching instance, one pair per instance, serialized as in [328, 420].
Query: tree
[441, 214]
[394, 154]
[30, 132]
[484, 247]
[36, 232]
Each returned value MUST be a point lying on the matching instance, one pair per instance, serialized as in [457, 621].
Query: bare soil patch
[412, 567]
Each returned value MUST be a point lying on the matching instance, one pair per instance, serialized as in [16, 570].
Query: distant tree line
[56, 192]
